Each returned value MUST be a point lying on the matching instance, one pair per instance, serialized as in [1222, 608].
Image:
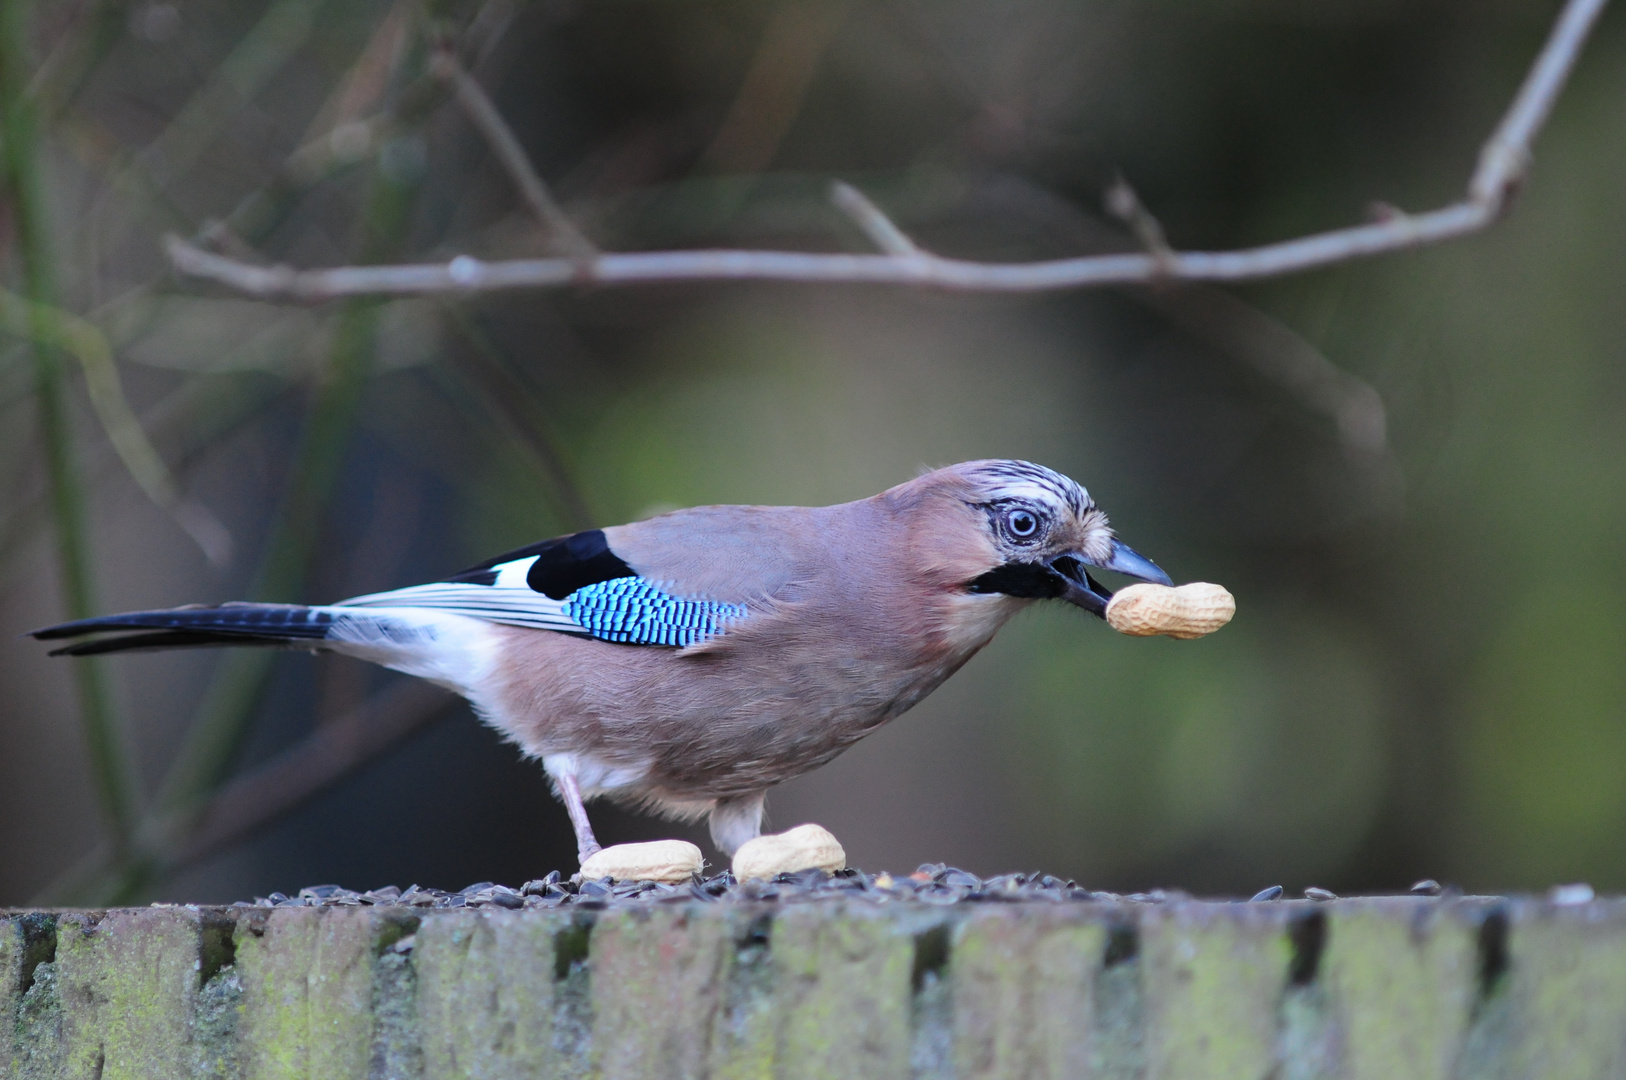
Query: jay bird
[691, 661]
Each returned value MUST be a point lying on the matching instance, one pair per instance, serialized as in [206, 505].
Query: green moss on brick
[1214, 975]
[486, 993]
[214, 1027]
[128, 982]
[1567, 990]
[1023, 992]
[842, 992]
[1349, 989]
[37, 1052]
[307, 978]
[744, 1033]
[1401, 980]
[11, 990]
[659, 976]
[397, 1048]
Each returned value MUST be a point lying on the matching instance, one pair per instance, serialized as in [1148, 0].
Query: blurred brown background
[1427, 674]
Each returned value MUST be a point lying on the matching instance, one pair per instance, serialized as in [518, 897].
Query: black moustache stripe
[1030, 581]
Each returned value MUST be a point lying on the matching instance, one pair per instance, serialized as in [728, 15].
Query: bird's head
[1037, 533]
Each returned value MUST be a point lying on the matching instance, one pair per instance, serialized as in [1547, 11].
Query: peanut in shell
[806, 847]
[1189, 611]
[658, 860]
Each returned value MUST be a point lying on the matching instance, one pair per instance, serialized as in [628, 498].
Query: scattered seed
[541, 886]
[932, 884]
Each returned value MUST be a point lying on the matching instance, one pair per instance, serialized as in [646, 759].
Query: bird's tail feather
[451, 649]
[171, 639]
[284, 625]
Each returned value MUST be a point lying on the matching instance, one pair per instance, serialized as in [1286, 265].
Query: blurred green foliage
[1427, 674]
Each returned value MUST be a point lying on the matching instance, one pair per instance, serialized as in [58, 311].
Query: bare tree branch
[485, 117]
[1502, 165]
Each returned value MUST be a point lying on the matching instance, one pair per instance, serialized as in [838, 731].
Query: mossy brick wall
[1389, 989]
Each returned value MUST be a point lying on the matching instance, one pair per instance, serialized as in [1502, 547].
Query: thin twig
[21, 182]
[1502, 166]
[506, 400]
[1220, 319]
[770, 97]
[253, 62]
[870, 218]
[172, 841]
[91, 35]
[223, 716]
[1122, 203]
[364, 86]
[489, 122]
[211, 742]
[54, 328]
[1283, 356]
[487, 28]
[312, 766]
[147, 176]
[199, 414]
[350, 126]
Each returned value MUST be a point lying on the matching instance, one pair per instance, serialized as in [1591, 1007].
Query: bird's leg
[736, 820]
[571, 793]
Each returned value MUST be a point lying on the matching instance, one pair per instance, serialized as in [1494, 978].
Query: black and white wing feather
[574, 585]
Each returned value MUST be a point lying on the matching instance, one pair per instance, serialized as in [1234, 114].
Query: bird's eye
[1022, 524]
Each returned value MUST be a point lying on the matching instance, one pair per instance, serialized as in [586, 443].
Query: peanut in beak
[1185, 612]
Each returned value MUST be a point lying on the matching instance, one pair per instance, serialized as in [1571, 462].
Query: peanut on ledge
[806, 847]
[1189, 611]
[658, 860]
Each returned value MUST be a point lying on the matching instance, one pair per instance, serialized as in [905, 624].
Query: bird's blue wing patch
[624, 609]
[631, 611]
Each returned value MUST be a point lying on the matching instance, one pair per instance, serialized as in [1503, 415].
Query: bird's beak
[1083, 590]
